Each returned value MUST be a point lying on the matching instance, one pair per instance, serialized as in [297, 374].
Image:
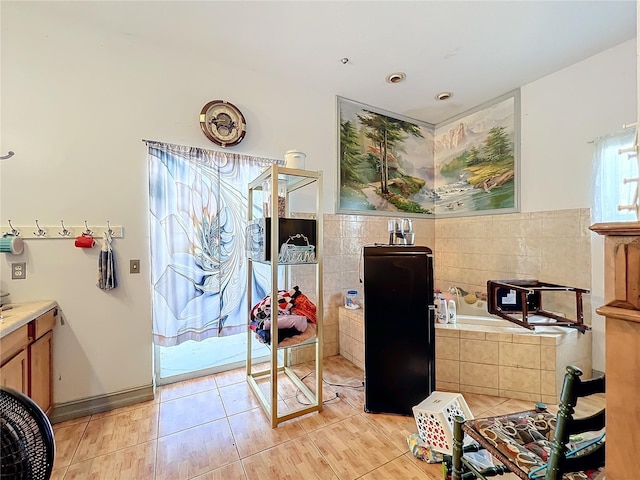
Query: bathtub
[476, 314]
[495, 324]
[486, 320]
[486, 354]
[484, 323]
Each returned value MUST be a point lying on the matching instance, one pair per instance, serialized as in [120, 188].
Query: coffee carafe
[401, 232]
[406, 229]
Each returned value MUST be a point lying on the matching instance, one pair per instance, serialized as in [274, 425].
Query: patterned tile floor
[212, 428]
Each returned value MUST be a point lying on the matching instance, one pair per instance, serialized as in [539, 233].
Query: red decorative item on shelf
[303, 306]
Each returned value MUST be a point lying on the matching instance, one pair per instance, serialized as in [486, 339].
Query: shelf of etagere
[283, 264]
[295, 178]
[280, 357]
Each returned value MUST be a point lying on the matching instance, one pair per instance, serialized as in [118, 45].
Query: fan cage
[27, 447]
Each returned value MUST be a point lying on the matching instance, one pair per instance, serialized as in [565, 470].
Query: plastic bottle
[350, 299]
[442, 315]
[451, 312]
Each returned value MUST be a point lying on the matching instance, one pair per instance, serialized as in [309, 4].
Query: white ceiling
[477, 49]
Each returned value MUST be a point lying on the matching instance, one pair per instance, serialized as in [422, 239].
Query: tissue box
[434, 419]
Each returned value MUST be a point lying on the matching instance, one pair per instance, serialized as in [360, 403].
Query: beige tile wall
[352, 336]
[552, 246]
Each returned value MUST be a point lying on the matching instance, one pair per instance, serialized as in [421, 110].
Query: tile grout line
[321, 454]
[75, 451]
[235, 444]
[155, 461]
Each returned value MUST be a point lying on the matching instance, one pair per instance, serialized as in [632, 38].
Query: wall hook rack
[53, 232]
[13, 230]
[65, 232]
[40, 232]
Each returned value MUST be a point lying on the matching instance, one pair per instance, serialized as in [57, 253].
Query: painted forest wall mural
[391, 164]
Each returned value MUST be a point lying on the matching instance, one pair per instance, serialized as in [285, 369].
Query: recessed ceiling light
[396, 77]
[444, 96]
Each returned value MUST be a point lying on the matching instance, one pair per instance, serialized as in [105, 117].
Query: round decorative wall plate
[223, 123]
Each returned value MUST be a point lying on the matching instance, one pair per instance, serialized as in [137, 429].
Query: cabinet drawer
[13, 343]
[44, 323]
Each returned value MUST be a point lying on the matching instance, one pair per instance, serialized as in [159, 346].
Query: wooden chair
[537, 444]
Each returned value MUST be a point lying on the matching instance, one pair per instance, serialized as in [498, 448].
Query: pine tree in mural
[349, 151]
[386, 133]
[497, 146]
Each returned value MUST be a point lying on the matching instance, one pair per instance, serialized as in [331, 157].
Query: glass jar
[282, 198]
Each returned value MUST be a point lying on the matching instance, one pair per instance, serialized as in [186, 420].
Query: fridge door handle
[432, 317]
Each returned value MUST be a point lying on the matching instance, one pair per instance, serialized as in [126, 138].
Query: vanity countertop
[22, 313]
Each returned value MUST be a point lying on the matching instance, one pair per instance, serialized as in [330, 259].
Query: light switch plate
[19, 271]
[134, 266]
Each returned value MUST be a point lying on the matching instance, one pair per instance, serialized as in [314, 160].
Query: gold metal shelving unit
[280, 357]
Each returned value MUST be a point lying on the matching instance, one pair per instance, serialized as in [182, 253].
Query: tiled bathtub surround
[352, 336]
[551, 246]
[500, 361]
[509, 361]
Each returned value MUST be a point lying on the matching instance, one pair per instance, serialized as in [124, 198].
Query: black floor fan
[27, 447]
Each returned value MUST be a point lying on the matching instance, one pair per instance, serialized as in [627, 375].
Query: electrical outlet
[134, 266]
[19, 271]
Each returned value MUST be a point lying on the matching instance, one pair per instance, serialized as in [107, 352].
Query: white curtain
[610, 169]
[198, 215]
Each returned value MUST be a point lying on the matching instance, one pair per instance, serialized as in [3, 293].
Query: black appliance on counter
[399, 327]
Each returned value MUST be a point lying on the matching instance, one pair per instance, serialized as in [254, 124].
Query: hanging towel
[107, 265]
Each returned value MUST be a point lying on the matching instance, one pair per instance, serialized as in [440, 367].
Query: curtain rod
[217, 152]
[625, 126]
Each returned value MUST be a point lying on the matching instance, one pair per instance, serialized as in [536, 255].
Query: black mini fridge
[399, 330]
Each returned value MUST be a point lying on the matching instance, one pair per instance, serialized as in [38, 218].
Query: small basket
[434, 419]
[292, 253]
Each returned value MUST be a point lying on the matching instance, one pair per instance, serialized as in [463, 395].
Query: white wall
[77, 102]
[562, 114]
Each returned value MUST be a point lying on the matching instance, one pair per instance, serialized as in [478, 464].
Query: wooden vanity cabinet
[40, 367]
[15, 373]
[26, 359]
[622, 347]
